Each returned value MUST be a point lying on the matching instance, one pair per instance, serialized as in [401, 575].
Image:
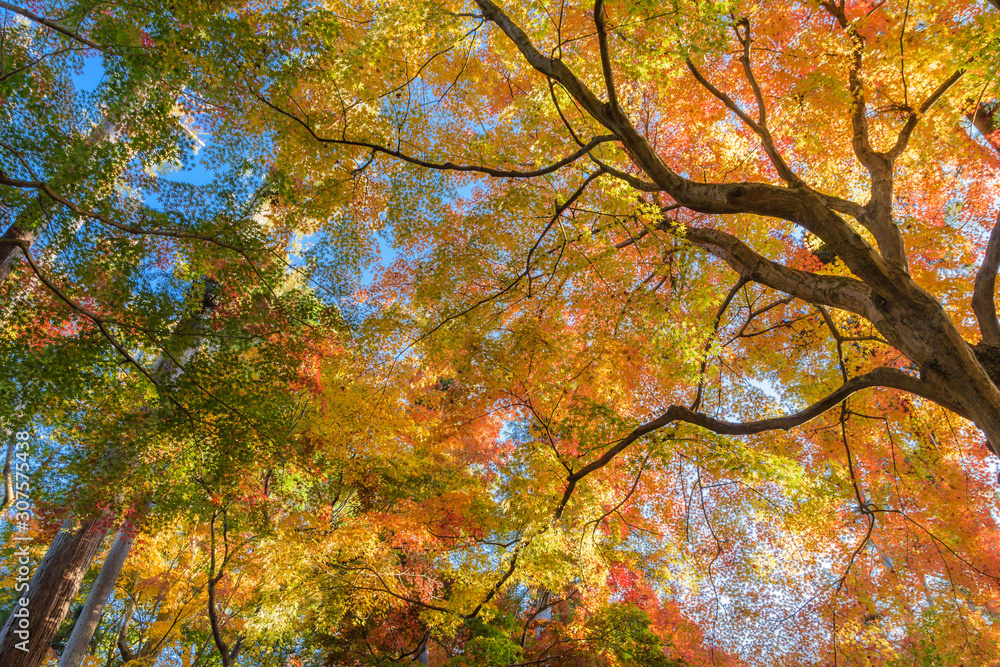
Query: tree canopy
[529, 333]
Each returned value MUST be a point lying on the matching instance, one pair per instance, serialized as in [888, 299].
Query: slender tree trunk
[149, 650]
[43, 605]
[79, 641]
[544, 615]
[123, 647]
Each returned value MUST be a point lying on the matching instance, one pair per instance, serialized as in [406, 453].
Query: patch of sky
[767, 386]
[90, 75]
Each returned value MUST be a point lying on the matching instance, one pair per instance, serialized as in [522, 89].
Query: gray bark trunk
[83, 631]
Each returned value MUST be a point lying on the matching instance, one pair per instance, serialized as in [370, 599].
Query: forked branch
[699, 394]
[803, 208]
[758, 126]
[877, 216]
[227, 654]
[915, 115]
[122, 642]
[880, 377]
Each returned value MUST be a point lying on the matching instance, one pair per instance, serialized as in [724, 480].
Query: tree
[638, 222]
[880, 289]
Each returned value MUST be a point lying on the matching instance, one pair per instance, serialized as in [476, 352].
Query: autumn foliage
[537, 333]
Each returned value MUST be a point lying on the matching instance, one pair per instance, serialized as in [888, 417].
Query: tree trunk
[43, 604]
[544, 615]
[79, 641]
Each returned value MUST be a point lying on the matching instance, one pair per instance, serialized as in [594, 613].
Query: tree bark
[9, 252]
[83, 631]
[122, 643]
[42, 606]
[544, 613]
[906, 315]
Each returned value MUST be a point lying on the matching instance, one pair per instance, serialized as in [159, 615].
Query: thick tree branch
[984, 291]
[804, 208]
[18, 183]
[861, 137]
[909, 317]
[845, 206]
[837, 291]
[880, 377]
[878, 211]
